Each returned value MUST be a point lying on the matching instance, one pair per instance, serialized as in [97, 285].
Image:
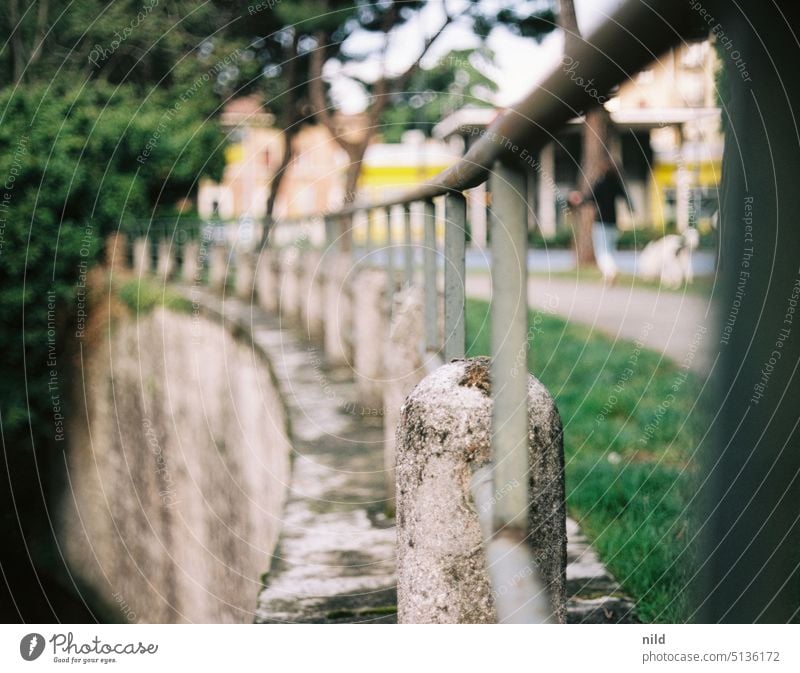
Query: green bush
[69, 175]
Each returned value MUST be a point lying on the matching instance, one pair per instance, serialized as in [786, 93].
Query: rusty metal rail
[618, 49]
[625, 43]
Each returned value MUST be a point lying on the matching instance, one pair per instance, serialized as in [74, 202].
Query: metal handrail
[611, 55]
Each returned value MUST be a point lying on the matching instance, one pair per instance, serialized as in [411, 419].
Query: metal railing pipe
[409, 248]
[608, 57]
[455, 239]
[429, 271]
[509, 315]
[389, 254]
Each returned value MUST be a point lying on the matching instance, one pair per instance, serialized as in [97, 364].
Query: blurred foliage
[432, 94]
[107, 115]
[142, 294]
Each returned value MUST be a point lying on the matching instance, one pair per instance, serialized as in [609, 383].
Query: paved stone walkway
[665, 321]
[335, 559]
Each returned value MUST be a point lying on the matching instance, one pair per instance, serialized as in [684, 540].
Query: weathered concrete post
[267, 280]
[116, 251]
[403, 369]
[141, 255]
[166, 260]
[190, 268]
[289, 285]
[217, 267]
[311, 299]
[244, 280]
[443, 437]
[338, 308]
[369, 332]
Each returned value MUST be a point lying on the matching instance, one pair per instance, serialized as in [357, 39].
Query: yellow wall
[663, 176]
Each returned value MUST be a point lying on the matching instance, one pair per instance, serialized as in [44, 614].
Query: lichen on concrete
[444, 434]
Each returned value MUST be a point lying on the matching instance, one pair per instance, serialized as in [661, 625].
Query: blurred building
[666, 132]
[253, 154]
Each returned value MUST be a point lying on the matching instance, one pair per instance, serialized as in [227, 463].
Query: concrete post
[338, 308]
[546, 191]
[141, 256]
[217, 267]
[245, 272]
[403, 368]
[369, 332]
[311, 294]
[166, 260]
[191, 269]
[116, 251]
[477, 215]
[454, 276]
[267, 280]
[289, 291]
[430, 274]
[443, 437]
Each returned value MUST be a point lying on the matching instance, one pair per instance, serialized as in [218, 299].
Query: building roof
[637, 119]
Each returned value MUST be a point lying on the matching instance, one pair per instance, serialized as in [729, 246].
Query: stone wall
[178, 468]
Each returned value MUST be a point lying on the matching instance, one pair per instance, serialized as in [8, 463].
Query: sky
[520, 62]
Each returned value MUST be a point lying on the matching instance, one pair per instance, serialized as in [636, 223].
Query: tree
[436, 92]
[381, 23]
[100, 127]
[594, 145]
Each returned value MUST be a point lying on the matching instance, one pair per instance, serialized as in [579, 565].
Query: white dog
[669, 259]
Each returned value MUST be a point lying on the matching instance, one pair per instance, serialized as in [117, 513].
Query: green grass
[142, 295]
[630, 432]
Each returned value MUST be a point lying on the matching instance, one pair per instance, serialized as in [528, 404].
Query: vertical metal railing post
[409, 248]
[455, 214]
[429, 271]
[508, 553]
[346, 238]
[330, 233]
[389, 255]
[370, 215]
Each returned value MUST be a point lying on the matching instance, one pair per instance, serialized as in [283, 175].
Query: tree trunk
[355, 154]
[594, 151]
[276, 181]
[594, 144]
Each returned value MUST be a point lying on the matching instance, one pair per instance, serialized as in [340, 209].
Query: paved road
[674, 323]
[553, 260]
